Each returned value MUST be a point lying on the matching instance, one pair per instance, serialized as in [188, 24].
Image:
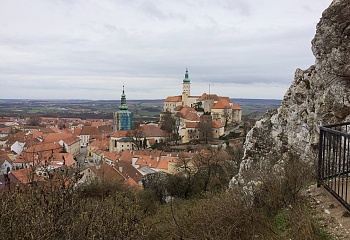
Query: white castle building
[222, 110]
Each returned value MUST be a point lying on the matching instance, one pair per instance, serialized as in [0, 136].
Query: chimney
[120, 169]
[98, 167]
[157, 159]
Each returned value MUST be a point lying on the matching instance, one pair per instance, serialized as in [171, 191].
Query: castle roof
[209, 96]
[173, 99]
[216, 124]
[236, 107]
[189, 113]
[221, 104]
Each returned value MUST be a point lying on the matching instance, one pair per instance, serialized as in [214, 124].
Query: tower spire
[186, 79]
[123, 105]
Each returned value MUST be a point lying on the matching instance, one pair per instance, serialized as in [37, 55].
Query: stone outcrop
[318, 96]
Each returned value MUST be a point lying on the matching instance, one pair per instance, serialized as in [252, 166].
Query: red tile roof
[56, 137]
[227, 99]
[216, 124]
[236, 107]
[43, 147]
[60, 160]
[189, 113]
[24, 175]
[173, 99]
[222, 104]
[111, 156]
[153, 131]
[207, 96]
[128, 171]
[100, 144]
[71, 140]
[88, 130]
[122, 133]
[106, 171]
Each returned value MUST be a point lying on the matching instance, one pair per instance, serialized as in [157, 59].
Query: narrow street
[83, 162]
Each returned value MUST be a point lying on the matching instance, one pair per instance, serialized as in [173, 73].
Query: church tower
[186, 89]
[122, 119]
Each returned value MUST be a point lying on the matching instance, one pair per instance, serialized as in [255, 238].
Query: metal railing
[334, 161]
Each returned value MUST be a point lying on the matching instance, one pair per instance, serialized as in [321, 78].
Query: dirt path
[333, 216]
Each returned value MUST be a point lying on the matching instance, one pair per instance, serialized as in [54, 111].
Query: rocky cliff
[318, 96]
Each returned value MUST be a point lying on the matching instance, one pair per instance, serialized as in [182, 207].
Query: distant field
[141, 109]
[256, 107]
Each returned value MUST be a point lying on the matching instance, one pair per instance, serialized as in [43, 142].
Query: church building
[122, 119]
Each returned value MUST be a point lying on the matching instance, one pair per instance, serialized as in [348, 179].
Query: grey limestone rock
[318, 96]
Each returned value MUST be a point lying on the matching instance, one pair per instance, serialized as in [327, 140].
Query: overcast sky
[87, 49]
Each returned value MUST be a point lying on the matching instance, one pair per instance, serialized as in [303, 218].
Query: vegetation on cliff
[112, 210]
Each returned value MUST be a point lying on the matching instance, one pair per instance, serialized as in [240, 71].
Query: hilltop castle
[190, 109]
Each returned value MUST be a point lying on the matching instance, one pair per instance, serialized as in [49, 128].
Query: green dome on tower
[123, 105]
[186, 79]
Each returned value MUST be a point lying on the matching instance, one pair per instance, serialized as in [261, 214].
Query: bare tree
[205, 128]
[227, 114]
[214, 168]
[34, 121]
[138, 138]
[171, 125]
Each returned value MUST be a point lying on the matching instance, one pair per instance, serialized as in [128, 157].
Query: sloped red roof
[88, 130]
[173, 99]
[77, 131]
[189, 113]
[106, 171]
[128, 171]
[42, 147]
[60, 159]
[209, 96]
[126, 156]
[216, 124]
[227, 99]
[100, 144]
[178, 108]
[71, 140]
[56, 137]
[111, 156]
[153, 131]
[24, 175]
[96, 124]
[236, 107]
[222, 104]
[122, 133]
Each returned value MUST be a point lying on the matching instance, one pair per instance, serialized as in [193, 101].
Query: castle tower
[122, 119]
[186, 89]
